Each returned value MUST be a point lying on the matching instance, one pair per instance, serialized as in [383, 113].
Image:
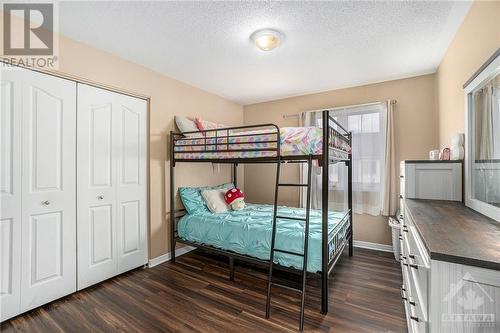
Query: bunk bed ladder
[271, 283]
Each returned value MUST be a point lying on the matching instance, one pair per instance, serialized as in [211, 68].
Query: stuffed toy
[235, 198]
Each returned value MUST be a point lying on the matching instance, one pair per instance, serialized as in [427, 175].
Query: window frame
[489, 70]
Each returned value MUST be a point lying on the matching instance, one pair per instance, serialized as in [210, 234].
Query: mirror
[483, 156]
[486, 131]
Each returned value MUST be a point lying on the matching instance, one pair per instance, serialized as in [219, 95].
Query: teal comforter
[248, 232]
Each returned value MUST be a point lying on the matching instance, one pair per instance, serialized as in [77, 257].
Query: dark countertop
[455, 233]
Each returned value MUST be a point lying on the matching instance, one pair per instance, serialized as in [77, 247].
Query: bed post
[235, 174]
[349, 196]
[324, 214]
[172, 198]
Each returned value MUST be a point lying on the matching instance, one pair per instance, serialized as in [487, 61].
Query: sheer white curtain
[368, 125]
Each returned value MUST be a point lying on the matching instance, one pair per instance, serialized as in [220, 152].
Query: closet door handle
[45, 203]
[100, 197]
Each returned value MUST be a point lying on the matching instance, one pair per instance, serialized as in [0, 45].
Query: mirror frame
[487, 71]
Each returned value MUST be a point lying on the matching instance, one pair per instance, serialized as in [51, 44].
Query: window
[368, 144]
[367, 124]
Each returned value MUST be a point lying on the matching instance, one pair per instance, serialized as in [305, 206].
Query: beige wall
[415, 132]
[476, 40]
[168, 98]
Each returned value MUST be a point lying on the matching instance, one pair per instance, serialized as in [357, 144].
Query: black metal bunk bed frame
[340, 242]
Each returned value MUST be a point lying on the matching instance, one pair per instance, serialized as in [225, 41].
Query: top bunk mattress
[294, 141]
[248, 232]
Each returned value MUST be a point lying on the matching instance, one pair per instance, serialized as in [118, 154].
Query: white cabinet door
[111, 184]
[131, 135]
[10, 192]
[438, 181]
[48, 189]
[96, 186]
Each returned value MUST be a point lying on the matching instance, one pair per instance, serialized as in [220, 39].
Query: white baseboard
[373, 246]
[167, 256]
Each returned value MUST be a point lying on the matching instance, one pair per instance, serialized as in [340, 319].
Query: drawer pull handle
[400, 196]
[412, 303]
[100, 197]
[412, 256]
[401, 176]
[45, 203]
[404, 257]
[403, 297]
[400, 237]
[414, 318]
[405, 230]
[405, 264]
[414, 266]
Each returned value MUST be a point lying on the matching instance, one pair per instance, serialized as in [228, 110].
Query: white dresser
[450, 262]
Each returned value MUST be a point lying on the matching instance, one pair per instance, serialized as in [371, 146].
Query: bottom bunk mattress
[248, 232]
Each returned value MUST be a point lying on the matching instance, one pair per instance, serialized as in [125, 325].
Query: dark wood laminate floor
[195, 295]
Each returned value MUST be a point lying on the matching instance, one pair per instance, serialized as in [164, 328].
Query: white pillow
[215, 200]
[187, 125]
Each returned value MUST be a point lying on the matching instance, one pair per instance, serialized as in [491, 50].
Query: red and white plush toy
[235, 198]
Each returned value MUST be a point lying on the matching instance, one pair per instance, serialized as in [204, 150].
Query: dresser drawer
[416, 324]
[415, 319]
[418, 297]
[406, 306]
[419, 272]
[406, 277]
[418, 263]
[403, 248]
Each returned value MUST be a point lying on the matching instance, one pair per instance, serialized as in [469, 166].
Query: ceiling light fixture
[266, 39]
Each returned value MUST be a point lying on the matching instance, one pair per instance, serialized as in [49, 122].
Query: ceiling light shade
[266, 39]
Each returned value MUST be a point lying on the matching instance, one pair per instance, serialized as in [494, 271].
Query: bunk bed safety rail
[249, 138]
[339, 139]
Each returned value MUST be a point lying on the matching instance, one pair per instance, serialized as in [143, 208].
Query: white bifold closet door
[38, 178]
[10, 193]
[48, 189]
[111, 183]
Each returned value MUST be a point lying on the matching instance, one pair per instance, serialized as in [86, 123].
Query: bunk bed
[329, 232]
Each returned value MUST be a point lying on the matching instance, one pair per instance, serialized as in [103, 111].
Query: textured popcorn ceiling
[327, 45]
